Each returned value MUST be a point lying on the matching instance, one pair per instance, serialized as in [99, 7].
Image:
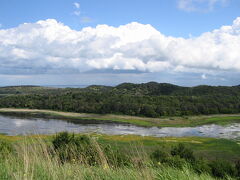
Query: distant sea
[56, 86]
[66, 86]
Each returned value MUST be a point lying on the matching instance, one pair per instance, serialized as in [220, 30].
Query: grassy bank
[105, 157]
[140, 121]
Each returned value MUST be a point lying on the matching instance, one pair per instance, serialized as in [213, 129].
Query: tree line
[150, 100]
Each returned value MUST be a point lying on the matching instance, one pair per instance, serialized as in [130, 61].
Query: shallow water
[18, 125]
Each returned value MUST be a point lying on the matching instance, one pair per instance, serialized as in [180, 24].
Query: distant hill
[156, 89]
[150, 88]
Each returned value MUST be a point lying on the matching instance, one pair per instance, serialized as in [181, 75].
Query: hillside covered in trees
[148, 99]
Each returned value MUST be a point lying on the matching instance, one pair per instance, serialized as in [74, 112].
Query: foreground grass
[33, 158]
[42, 169]
[51, 170]
[190, 121]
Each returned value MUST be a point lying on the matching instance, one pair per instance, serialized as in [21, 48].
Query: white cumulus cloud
[49, 46]
[77, 12]
[77, 5]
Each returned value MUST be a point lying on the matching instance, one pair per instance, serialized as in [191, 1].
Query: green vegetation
[148, 100]
[71, 156]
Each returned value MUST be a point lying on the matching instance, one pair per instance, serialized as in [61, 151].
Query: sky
[84, 42]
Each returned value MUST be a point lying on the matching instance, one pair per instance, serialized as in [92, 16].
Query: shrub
[176, 162]
[116, 158]
[222, 169]
[5, 148]
[201, 166]
[63, 139]
[237, 166]
[71, 148]
[184, 152]
[159, 156]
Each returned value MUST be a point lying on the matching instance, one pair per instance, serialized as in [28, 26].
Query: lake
[12, 125]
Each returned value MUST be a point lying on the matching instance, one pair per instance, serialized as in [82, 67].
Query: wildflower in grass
[105, 166]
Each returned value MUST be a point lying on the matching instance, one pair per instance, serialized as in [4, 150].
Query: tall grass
[36, 159]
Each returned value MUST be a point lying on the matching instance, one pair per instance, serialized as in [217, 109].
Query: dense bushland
[150, 99]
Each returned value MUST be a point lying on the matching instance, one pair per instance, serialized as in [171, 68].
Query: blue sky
[56, 46]
[164, 15]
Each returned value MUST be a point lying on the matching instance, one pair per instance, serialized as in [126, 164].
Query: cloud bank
[51, 47]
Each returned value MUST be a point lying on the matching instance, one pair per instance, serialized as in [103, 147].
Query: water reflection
[15, 126]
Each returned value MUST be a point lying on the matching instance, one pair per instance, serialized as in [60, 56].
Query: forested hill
[148, 99]
[157, 89]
